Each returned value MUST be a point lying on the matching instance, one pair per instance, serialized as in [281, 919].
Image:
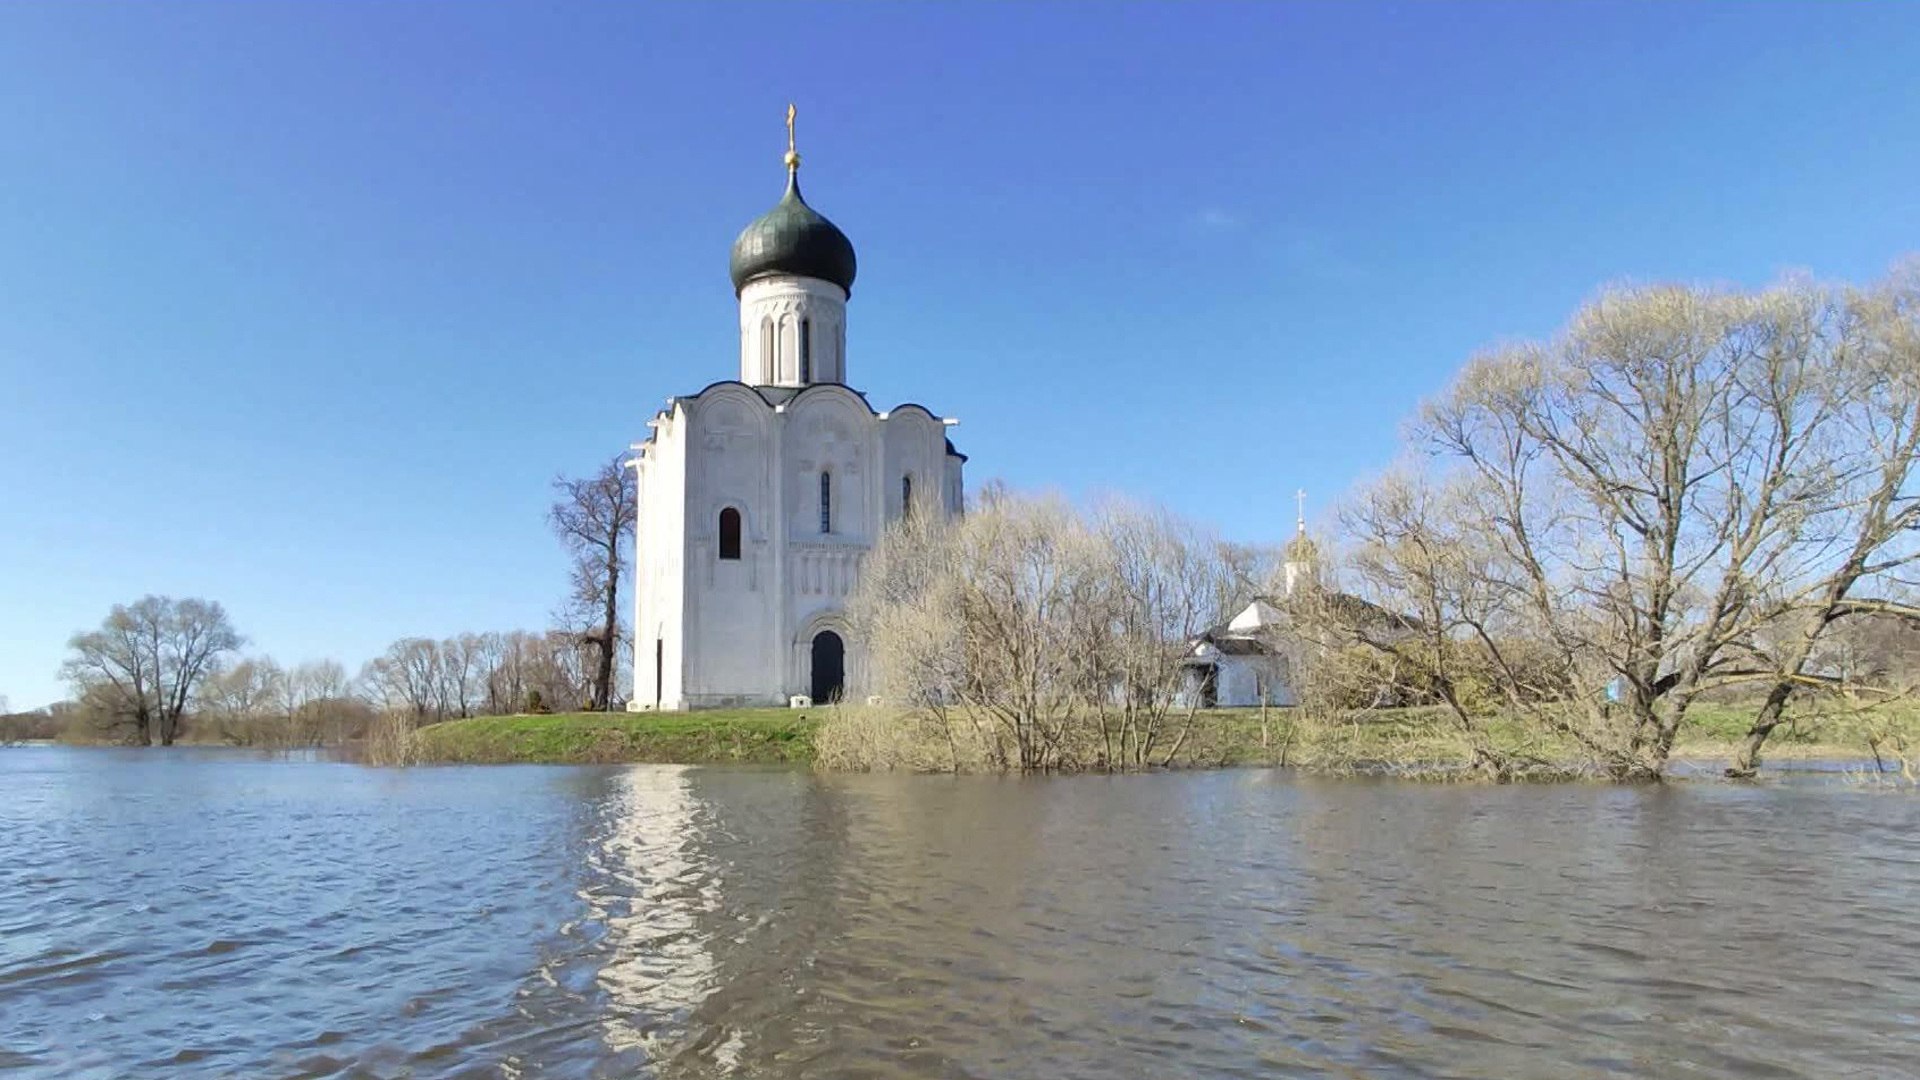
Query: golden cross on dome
[793, 156]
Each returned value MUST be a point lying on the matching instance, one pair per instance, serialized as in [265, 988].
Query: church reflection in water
[653, 890]
[705, 895]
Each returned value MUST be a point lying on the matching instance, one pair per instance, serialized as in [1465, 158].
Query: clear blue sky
[303, 305]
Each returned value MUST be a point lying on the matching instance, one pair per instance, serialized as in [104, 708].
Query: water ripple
[211, 914]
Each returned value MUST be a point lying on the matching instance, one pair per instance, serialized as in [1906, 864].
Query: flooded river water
[194, 913]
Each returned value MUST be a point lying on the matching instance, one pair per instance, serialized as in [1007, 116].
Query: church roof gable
[825, 394]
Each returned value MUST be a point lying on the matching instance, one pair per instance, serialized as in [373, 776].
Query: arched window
[806, 352]
[906, 497]
[730, 533]
[766, 349]
[826, 501]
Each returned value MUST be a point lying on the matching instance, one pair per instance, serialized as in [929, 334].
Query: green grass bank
[769, 736]
[1413, 738]
[717, 737]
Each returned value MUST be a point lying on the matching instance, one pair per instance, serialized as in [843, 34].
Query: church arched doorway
[829, 666]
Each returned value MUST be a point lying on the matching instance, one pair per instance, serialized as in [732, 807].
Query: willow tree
[1044, 636]
[983, 621]
[148, 658]
[1865, 537]
[1654, 490]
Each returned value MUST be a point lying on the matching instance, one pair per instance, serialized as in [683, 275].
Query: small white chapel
[760, 496]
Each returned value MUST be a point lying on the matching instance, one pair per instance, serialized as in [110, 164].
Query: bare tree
[246, 702]
[319, 704]
[508, 656]
[407, 679]
[36, 724]
[561, 667]
[116, 666]
[255, 702]
[1868, 514]
[1425, 615]
[1870, 648]
[1034, 636]
[594, 518]
[149, 657]
[1619, 499]
[983, 619]
[1651, 494]
[1163, 583]
[1248, 570]
[462, 674]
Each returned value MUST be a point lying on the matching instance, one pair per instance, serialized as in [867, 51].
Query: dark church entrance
[829, 666]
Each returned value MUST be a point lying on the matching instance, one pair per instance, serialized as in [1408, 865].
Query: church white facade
[760, 496]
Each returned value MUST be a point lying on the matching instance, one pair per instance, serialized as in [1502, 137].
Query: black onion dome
[792, 238]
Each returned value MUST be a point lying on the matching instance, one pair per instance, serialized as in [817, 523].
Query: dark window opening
[806, 350]
[826, 502]
[730, 533]
[906, 497]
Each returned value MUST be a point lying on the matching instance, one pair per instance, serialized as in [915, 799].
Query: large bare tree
[147, 659]
[1640, 477]
[1675, 496]
[594, 517]
[1866, 531]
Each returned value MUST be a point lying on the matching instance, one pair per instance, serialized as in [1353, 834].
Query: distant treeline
[168, 670]
[125, 690]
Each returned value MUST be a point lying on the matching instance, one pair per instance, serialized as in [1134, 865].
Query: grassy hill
[721, 736]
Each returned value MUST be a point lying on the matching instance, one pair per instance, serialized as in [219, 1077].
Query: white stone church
[759, 496]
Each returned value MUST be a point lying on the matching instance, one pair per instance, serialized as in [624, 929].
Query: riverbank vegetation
[1419, 742]
[1690, 504]
[1034, 636]
[1690, 497]
[1411, 741]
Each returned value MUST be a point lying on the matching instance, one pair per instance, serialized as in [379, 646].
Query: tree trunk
[1747, 762]
[609, 634]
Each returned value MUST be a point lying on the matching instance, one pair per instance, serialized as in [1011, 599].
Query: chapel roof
[1239, 646]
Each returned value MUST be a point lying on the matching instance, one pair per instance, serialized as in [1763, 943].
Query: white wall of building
[1239, 680]
[659, 556]
[773, 313]
[740, 632]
